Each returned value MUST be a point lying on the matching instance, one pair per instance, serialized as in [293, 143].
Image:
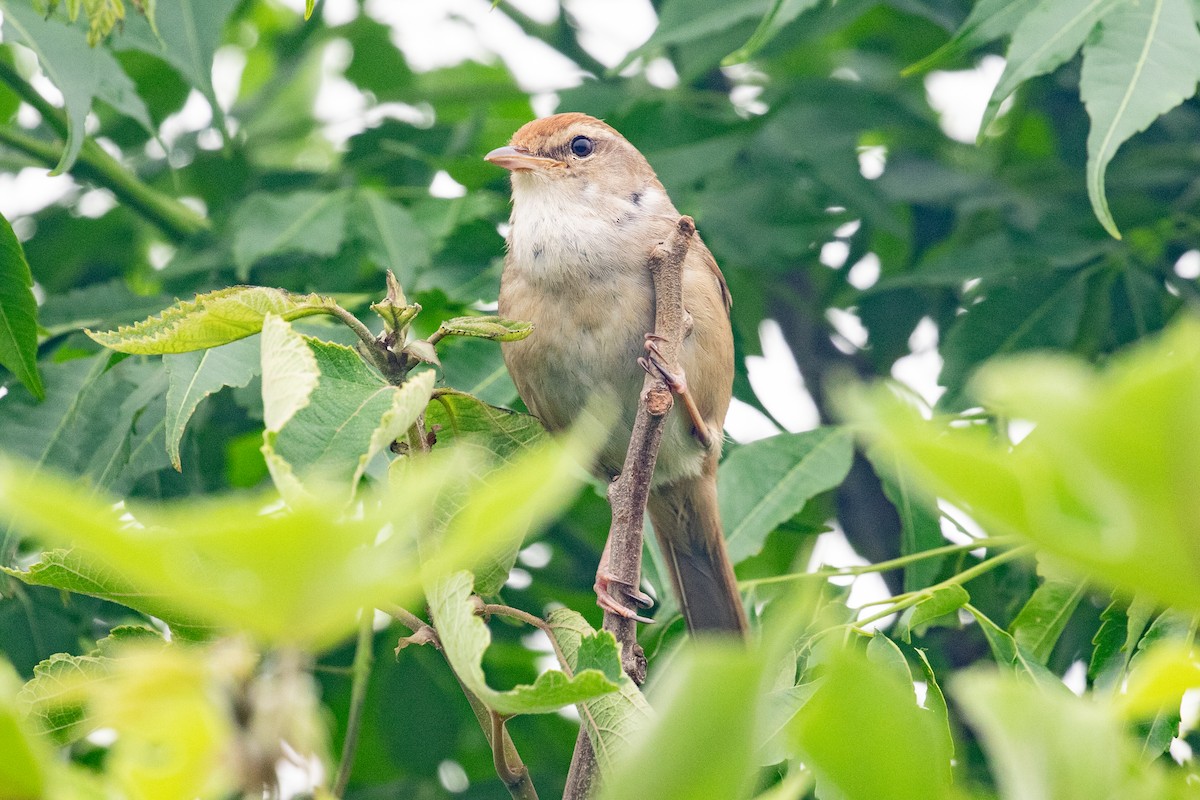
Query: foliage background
[815, 168]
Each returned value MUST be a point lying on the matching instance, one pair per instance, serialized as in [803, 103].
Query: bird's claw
[607, 591]
[654, 363]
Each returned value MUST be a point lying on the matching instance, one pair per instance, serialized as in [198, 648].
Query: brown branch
[628, 493]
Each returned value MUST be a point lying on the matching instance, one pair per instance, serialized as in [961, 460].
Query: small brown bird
[587, 209]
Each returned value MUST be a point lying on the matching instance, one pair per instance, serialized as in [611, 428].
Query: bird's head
[572, 147]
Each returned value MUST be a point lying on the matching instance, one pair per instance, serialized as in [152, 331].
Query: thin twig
[627, 495]
[537, 622]
[364, 659]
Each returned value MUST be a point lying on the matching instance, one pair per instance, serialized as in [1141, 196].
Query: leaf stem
[882, 566]
[364, 659]
[535, 621]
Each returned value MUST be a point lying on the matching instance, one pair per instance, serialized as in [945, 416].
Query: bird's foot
[676, 381]
[618, 597]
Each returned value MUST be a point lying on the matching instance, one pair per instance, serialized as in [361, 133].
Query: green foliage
[387, 464]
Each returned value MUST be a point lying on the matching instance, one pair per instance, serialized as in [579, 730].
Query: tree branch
[627, 495]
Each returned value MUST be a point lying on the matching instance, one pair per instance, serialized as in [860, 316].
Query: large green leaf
[465, 637]
[900, 751]
[18, 313]
[1143, 64]
[195, 375]
[504, 432]
[1046, 38]
[1054, 745]
[610, 719]
[81, 72]
[1044, 616]
[394, 239]
[211, 320]
[767, 482]
[327, 413]
[1101, 481]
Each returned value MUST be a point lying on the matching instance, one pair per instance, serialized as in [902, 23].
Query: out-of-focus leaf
[305, 222]
[1046, 38]
[18, 313]
[1140, 67]
[23, 768]
[988, 20]
[1010, 655]
[714, 689]
[81, 72]
[185, 34]
[211, 320]
[1044, 617]
[294, 576]
[195, 375]
[1054, 745]
[1121, 626]
[465, 637]
[394, 239]
[780, 15]
[767, 482]
[1097, 481]
[899, 751]
[611, 719]
[1162, 675]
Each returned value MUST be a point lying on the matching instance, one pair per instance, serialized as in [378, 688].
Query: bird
[587, 208]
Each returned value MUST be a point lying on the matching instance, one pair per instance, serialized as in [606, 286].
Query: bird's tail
[687, 523]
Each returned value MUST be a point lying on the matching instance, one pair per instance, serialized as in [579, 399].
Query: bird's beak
[514, 158]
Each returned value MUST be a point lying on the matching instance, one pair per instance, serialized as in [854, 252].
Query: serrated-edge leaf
[1141, 65]
[465, 637]
[495, 328]
[18, 313]
[210, 320]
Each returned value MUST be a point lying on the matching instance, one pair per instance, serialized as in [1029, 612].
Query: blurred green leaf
[898, 750]
[211, 320]
[18, 313]
[713, 689]
[394, 239]
[1121, 626]
[778, 17]
[939, 603]
[304, 222]
[465, 637]
[195, 375]
[23, 768]
[1054, 745]
[988, 20]
[767, 482]
[1140, 66]
[1042, 619]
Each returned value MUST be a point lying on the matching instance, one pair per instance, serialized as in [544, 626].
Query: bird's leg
[677, 383]
[605, 587]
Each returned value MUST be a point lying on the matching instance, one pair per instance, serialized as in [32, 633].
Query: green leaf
[293, 576]
[765, 483]
[501, 431]
[24, 766]
[1121, 626]
[1052, 744]
[1097, 482]
[327, 413]
[195, 375]
[714, 691]
[1046, 38]
[988, 20]
[610, 719]
[1141, 66]
[309, 5]
[1045, 615]
[185, 34]
[211, 320]
[18, 313]
[899, 750]
[465, 637]
[1009, 654]
[394, 239]
[680, 22]
[939, 603]
[497, 329]
[313, 223]
[81, 72]
[781, 14]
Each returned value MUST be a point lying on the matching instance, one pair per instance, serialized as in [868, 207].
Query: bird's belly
[583, 358]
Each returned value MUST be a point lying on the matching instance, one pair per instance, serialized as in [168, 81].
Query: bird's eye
[582, 146]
